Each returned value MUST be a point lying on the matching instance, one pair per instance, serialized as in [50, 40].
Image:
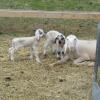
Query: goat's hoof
[39, 62]
[91, 64]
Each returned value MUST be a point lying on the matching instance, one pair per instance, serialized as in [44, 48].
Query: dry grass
[27, 80]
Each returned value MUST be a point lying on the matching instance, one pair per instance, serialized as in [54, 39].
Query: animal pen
[57, 21]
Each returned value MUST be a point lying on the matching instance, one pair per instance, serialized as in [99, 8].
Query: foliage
[84, 5]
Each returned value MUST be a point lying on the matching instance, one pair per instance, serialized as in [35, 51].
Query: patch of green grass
[84, 5]
[27, 26]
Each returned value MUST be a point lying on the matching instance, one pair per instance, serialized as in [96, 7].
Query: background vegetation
[27, 26]
[84, 5]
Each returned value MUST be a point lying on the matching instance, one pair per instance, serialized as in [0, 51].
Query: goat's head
[71, 42]
[60, 42]
[39, 33]
[60, 39]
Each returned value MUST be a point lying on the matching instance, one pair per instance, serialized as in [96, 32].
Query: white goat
[32, 42]
[80, 50]
[56, 41]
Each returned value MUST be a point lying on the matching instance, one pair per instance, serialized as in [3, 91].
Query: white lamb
[80, 50]
[32, 42]
[56, 41]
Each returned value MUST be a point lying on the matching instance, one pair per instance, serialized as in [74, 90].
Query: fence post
[96, 80]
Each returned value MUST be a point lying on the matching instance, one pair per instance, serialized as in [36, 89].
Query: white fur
[32, 42]
[50, 42]
[78, 50]
[83, 50]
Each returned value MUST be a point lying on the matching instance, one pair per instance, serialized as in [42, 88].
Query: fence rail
[49, 14]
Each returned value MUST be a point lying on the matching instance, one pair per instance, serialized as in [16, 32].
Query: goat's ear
[64, 41]
[40, 32]
[61, 35]
[56, 39]
[38, 37]
[75, 41]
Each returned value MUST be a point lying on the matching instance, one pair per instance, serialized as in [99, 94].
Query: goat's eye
[63, 41]
[62, 52]
[56, 38]
[62, 38]
[58, 52]
[40, 32]
[75, 39]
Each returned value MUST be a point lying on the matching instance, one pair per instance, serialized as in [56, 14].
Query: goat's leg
[11, 53]
[62, 54]
[58, 54]
[80, 61]
[31, 53]
[36, 54]
[91, 64]
[54, 49]
[58, 51]
[47, 44]
[63, 60]
[37, 57]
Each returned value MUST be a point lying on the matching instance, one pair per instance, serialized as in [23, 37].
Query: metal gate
[96, 80]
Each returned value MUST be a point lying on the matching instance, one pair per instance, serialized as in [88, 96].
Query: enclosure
[25, 79]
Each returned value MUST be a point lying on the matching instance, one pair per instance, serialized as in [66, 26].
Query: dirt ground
[27, 80]
[50, 14]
